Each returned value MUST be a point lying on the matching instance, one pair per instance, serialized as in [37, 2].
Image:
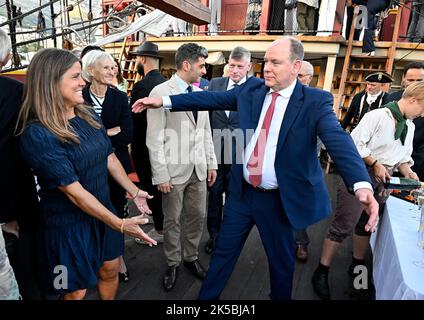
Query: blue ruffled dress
[73, 245]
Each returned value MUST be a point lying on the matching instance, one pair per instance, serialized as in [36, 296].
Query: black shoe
[170, 278]
[210, 245]
[320, 284]
[196, 268]
[124, 276]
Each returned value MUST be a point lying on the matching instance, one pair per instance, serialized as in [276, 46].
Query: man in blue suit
[279, 184]
[224, 125]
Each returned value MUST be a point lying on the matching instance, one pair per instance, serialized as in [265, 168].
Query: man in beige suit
[182, 157]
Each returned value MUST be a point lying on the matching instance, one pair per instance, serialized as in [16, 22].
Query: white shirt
[230, 86]
[375, 136]
[97, 103]
[372, 97]
[269, 178]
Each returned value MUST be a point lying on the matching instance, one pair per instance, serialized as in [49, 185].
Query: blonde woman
[68, 149]
[384, 141]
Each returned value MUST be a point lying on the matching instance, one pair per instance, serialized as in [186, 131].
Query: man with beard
[372, 97]
[148, 67]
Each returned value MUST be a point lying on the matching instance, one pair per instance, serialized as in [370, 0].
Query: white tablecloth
[396, 275]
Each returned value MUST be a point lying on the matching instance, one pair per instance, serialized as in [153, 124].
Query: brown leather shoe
[302, 252]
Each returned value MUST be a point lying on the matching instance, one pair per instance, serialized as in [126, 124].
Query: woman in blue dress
[63, 141]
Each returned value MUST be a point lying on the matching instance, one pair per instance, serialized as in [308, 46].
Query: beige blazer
[177, 144]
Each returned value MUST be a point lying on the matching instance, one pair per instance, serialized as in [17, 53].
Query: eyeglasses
[303, 75]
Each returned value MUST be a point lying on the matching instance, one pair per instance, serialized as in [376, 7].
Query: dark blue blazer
[220, 121]
[309, 113]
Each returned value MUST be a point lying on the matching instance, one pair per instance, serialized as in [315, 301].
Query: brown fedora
[148, 49]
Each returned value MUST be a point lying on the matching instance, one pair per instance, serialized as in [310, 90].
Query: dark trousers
[215, 203]
[349, 20]
[416, 25]
[23, 259]
[373, 8]
[144, 173]
[302, 237]
[263, 209]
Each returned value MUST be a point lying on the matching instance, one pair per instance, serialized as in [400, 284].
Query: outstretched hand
[146, 103]
[366, 198]
[131, 227]
[140, 200]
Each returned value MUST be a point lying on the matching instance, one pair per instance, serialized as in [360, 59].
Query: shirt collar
[287, 92]
[374, 95]
[181, 83]
[231, 83]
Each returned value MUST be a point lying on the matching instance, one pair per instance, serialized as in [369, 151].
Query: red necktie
[256, 161]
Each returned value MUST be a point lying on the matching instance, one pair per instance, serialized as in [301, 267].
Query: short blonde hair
[91, 59]
[415, 90]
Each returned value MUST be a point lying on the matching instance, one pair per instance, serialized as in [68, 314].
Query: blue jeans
[8, 286]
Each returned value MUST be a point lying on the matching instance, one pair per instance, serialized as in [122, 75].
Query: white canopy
[154, 23]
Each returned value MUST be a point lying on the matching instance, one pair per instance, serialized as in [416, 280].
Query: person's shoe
[152, 234]
[367, 54]
[124, 276]
[210, 245]
[302, 252]
[320, 285]
[170, 278]
[196, 268]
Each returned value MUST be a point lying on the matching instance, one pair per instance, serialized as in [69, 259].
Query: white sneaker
[152, 234]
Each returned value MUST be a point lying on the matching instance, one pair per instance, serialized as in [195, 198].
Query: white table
[396, 275]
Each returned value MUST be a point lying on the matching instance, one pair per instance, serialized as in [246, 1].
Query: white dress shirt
[230, 86]
[375, 135]
[269, 178]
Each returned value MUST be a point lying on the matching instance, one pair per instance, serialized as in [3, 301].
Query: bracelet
[122, 225]
[373, 164]
[136, 194]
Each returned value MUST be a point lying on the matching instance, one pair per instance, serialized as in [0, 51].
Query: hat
[148, 49]
[380, 77]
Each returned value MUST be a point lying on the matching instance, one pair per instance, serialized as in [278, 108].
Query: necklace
[97, 96]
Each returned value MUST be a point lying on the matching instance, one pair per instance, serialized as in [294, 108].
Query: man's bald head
[296, 47]
[283, 59]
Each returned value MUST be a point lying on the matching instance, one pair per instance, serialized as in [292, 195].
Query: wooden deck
[250, 279]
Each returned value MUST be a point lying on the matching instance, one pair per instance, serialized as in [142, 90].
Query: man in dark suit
[223, 125]
[372, 97]
[413, 72]
[148, 66]
[19, 214]
[279, 184]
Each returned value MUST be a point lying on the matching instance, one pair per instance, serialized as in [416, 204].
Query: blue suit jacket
[219, 120]
[309, 113]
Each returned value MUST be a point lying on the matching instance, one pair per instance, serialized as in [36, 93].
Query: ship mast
[11, 13]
